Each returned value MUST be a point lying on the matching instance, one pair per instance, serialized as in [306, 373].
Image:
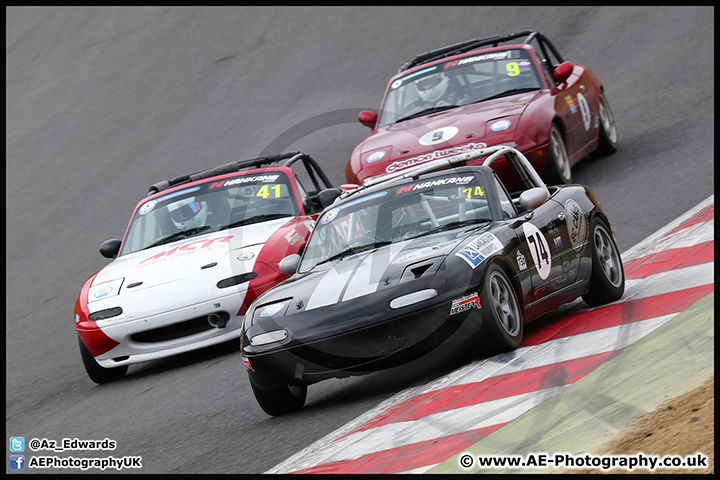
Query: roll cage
[548, 54]
[522, 166]
[313, 170]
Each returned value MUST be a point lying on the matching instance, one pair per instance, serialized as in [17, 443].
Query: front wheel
[280, 400]
[502, 322]
[607, 279]
[608, 135]
[97, 373]
[558, 166]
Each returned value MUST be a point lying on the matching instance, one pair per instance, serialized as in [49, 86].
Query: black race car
[395, 267]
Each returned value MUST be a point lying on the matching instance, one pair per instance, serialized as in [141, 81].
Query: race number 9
[513, 69]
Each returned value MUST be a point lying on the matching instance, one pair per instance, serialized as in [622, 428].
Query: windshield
[244, 199]
[450, 203]
[471, 79]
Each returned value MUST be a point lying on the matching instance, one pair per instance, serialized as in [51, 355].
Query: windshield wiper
[452, 226]
[178, 235]
[426, 111]
[506, 93]
[255, 219]
[353, 250]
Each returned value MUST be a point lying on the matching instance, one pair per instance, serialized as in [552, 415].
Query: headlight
[412, 298]
[269, 337]
[103, 314]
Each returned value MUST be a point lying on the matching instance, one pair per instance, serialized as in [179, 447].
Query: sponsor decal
[245, 179]
[465, 303]
[186, 249]
[292, 237]
[500, 125]
[271, 310]
[435, 183]
[483, 57]
[434, 155]
[577, 224]
[374, 157]
[524, 64]
[522, 265]
[585, 109]
[396, 84]
[103, 292]
[571, 104]
[479, 249]
[330, 216]
[310, 225]
[558, 243]
[147, 207]
[77, 318]
[551, 228]
[539, 249]
[176, 194]
[438, 135]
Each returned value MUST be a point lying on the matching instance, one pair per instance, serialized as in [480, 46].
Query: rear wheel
[280, 400]
[502, 322]
[97, 373]
[607, 279]
[558, 166]
[608, 136]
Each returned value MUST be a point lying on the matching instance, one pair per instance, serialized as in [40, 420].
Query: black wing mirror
[110, 248]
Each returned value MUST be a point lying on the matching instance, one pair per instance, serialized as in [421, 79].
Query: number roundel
[438, 136]
[539, 249]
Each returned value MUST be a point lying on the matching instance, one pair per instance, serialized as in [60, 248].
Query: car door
[545, 239]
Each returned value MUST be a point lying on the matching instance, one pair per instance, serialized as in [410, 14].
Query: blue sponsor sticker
[374, 157]
[103, 292]
[558, 242]
[272, 309]
[475, 252]
[500, 125]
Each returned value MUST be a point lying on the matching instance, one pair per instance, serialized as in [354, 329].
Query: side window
[506, 204]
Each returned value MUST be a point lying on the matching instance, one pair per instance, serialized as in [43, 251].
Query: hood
[469, 126]
[214, 256]
[358, 275]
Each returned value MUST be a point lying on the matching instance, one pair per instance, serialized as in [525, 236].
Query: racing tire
[280, 400]
[502, 321]
[97, 373]
[607, 279]
[608, 136]
[558, 165]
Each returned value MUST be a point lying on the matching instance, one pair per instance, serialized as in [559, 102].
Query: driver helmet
[188, 213]
[432, 87]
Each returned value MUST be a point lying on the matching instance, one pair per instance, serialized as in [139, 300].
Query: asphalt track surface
[102, 102]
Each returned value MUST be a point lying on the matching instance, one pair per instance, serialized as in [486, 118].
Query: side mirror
[110, 248]
[533, 198]
[326, 197]
[289, 264]
[563, 72]
[368, 118]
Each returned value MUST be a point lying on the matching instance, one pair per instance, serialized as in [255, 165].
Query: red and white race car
[198, 250]
[486, 92]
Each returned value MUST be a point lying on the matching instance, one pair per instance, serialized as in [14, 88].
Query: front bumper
[381, 338]
[169, 333]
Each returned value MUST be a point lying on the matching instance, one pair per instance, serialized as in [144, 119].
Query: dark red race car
[480, 93]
